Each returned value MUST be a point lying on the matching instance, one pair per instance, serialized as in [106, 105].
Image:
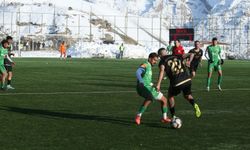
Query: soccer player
[178, 48]
[175, 67]
[121, 49]
[4, 54]
[63, 50]
[147, 91]
[198, 52]
[8, 64]
[214, 62]
[169, 48]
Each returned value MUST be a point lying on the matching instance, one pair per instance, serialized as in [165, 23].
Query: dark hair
[178, 40]
[152, 55]
[9, 38]
[160, 50]
[196, 41]
[214, 39]
[3, 42]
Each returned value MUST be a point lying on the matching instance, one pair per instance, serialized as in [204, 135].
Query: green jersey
[169, 48]
[147, 77]
[3, 52]
[214, 53]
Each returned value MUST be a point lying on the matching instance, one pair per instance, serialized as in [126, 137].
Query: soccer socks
[191, 101]
[141, 110]
[208, 82]
[164, 112]
[172, 111]
[8, 82]
[219, 80]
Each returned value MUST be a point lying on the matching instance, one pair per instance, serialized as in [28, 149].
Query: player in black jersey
[176, 70]
[198, 52]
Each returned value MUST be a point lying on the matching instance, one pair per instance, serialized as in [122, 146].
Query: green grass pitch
[91, 104]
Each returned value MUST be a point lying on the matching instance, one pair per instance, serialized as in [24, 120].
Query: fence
[41, 27]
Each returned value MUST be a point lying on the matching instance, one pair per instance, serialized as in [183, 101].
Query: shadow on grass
[48, 113]
[107, 119]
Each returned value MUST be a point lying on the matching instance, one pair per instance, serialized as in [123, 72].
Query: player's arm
[8, 57]
[141, 70]
[190, 56]
[221, 60]
[160, 77]
[207, 56]
[200, 61]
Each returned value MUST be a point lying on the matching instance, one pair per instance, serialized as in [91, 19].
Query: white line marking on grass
[105, 92]
[62, 93]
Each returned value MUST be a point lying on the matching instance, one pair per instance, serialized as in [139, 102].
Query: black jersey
[176, 70]
[197, 55]
[162, 61]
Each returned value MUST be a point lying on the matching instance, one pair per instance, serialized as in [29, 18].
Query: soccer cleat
[138, 119]
[219, 88]
[197, 110]
[208, 88]
[9, 87]
[167, 120]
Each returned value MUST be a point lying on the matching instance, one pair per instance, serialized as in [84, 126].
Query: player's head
[214, 41]
[177, 43]
[9, 39]
[162, 52]
[169, 42]
[63, 42]
[152, 58]
[197, 44]
[5, 43]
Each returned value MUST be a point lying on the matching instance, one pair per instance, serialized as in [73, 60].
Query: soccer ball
[176, 123]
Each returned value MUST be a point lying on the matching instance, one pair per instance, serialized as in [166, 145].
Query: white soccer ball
[176, 123]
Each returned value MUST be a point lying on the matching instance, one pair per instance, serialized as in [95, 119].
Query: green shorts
[148, 92]
[2, 69]
[214, 66]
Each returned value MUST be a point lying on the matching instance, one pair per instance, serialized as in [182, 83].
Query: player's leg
[64, 55]
[193, 74]
[171, 102]
[164, 108]
[188, 96]
[9, 77]
[145, 93]
[4, 75]
[172, 91]
[61, 54]
[209, 75]
[219, 78]
[142, 109]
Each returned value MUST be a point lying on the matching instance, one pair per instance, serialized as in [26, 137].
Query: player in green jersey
[3, 54]
[213, 55]
[8, 65]
[146, 90]
[169, 48]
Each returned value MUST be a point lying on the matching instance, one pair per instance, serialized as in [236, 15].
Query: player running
[8, 64]
[214, 62]
[147, 91]
[4, 54]
[176, 69]
[198, 52]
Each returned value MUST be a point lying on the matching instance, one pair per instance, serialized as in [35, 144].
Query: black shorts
[185, 88]
[193, 67]
[8, 68]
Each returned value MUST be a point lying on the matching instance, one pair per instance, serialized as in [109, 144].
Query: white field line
[4, 93]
